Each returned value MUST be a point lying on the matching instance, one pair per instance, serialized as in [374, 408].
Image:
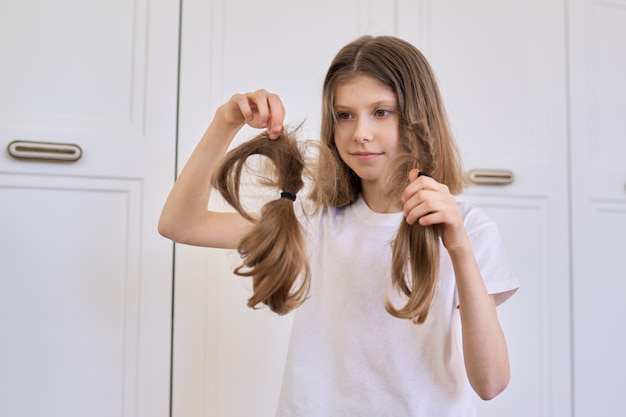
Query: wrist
[220, 130]
[222, 119]
[460, 250]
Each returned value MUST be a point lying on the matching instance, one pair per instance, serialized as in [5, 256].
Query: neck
[372, 196]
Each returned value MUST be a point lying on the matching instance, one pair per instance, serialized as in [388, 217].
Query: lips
[366, 156]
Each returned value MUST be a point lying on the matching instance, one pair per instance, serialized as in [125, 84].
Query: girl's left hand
[429, 202]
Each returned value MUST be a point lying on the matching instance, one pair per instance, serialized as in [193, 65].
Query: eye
[382, 112]
[343, 115]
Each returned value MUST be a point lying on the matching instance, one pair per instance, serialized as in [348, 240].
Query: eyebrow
[378, 103]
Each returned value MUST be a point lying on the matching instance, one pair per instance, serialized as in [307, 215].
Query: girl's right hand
[260, 109]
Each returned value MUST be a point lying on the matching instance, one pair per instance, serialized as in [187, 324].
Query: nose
[362, 131]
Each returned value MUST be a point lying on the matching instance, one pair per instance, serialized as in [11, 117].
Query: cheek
[396, 142]
[400, 147]
[341, 137]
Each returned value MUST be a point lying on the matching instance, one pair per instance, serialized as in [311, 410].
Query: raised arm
[484, 346]
[185, 217]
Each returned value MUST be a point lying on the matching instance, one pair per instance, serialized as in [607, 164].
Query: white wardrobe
[87, 155]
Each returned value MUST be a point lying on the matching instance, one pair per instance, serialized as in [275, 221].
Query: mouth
[366, 156]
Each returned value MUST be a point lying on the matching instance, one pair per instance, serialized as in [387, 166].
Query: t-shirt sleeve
[490, 254]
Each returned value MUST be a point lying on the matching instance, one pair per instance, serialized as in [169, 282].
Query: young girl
[387, 324]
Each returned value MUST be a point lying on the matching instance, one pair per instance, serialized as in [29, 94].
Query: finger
[438, 211]
[238, 109]
[276, 117]
[260, 107]
[427, 201]
[431, 218]
[416, 206]
[417, 183]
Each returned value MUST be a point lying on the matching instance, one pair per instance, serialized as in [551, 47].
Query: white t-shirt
[348, 356]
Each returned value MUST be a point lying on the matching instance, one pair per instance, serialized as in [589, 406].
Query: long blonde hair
[427, 138]
[416, 248]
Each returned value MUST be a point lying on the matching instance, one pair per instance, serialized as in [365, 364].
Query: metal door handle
[491, 176]
[44, 151]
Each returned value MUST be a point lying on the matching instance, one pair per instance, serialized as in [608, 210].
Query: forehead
[362, 89]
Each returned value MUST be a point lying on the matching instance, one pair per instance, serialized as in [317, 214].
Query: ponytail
[415, 252]
[273, 252]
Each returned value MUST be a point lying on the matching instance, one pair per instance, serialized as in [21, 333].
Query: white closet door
[598, 171]
[501, 66]
[85, 305]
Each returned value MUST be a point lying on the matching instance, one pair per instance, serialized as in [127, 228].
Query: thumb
[413, 174]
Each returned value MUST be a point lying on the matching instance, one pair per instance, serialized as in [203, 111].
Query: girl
[394, 321]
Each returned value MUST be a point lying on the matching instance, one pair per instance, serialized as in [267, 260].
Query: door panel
[525, 231]
[80, 73]
[598, 105]
[599, 343]
[69, 314]
[86, 302]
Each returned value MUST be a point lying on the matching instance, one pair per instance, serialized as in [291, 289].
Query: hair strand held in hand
[273, 252]
[416, 248]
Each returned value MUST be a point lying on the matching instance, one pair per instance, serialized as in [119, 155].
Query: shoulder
[474, 218]
[481, 228]
[489, 251]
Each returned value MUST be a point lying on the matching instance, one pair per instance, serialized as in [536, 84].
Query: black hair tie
[290, 196]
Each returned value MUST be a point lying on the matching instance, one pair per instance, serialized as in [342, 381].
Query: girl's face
[367, 132]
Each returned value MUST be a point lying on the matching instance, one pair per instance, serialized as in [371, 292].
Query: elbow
[164, 228]
[490, 393]
[167, 228]
[492, 387]
[176, 229]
